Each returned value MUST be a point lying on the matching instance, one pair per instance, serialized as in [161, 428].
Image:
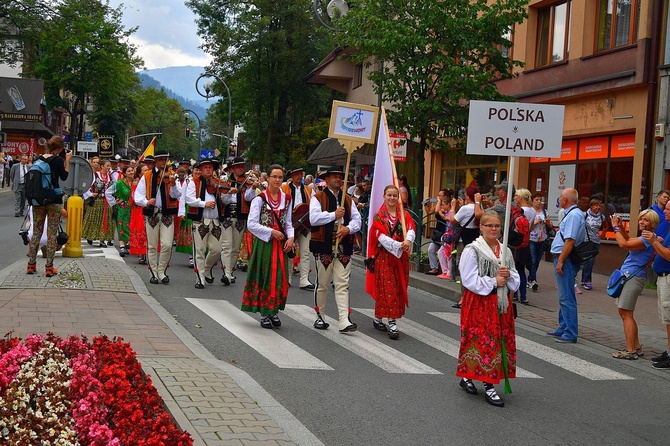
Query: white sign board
[353, 122]
[399, 146]
[515, 129]
[560, 178]
[87, 146]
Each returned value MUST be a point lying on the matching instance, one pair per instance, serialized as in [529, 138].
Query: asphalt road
[367, 389]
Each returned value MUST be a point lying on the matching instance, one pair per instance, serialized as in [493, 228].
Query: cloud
[166, 32]
[161, 56]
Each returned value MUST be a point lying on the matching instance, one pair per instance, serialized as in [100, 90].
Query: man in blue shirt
[571, 233]
[661, 200]
[662, 269]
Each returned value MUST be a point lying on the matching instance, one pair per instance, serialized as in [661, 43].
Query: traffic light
[188, 132]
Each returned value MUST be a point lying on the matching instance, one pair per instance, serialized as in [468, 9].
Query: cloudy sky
[167, 33]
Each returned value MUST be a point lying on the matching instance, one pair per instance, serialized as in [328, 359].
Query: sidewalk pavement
[217, 403]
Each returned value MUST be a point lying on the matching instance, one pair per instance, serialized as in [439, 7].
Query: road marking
[435, 339]
[275, 348]
[381, 355]
[558, 358]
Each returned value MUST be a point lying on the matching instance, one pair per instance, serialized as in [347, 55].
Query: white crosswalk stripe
[558, 358]
[276, 349]
[108, 252]
[435, 339]
[366, 347]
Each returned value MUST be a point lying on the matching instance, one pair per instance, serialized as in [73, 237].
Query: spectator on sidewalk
[661, 200]
[661, 267]
[522, 256]
[438, 209]
[640, 252]
[595, 225]
[539, 228]
[18, 177]
[571, 233]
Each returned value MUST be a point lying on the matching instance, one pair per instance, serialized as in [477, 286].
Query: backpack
[519, 234]
[39, 184]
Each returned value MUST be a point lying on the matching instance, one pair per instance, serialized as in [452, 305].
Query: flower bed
[73, 391]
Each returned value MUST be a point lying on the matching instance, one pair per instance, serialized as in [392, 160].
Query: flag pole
[395, 173]
[350, 147]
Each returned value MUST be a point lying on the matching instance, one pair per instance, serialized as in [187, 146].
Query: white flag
[383, 173]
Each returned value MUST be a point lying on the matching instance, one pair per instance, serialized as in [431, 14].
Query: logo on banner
[106, 146]
[354, 123]
[15, 96]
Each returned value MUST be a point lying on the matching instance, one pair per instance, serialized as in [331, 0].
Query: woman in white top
[522, 257]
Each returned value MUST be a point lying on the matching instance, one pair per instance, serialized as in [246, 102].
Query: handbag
[23, 230]
[618, 279]
[62, 237]
[456, 232]
[584, 251]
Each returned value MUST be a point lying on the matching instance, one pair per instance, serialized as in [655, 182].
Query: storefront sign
[399, 146]
[623, 145]
[568, 150]
[593, 148]
[20, 147]
[515, 129]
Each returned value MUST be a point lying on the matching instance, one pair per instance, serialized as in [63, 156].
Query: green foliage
[80, 47]
[263, 50]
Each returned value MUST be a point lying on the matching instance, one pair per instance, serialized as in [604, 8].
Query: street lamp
[334, 9]
[208, 94]
[186, 112]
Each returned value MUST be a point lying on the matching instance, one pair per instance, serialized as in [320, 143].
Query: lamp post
[209, 94]
[186, 111]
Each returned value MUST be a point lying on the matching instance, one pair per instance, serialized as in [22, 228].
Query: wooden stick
[349, 148]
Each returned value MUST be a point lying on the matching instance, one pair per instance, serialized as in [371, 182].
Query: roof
[331, 152]
[26, 127]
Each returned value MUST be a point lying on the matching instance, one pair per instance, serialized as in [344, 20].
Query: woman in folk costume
[488, 344]
[138, 233]
[98, 223]
[390, 247]
[118, 194]
[267, 278]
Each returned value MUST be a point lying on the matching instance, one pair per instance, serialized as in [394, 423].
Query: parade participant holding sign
[157, 193]
[267, 278]
[204, 210]
[488, 343]
[237, 200]
[300, 196]
[325, 212]
[388, 275]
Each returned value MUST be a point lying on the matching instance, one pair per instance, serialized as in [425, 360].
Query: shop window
[552, 34]
[358, 75]
[618, 22]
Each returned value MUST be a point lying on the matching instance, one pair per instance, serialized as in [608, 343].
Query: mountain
[181, 80]
[149, 82]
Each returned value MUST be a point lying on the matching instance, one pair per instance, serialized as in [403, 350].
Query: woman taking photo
[487, 319]
[118, 194]
[388, 283]
[59, 171]
[267, 277]
[640, 252]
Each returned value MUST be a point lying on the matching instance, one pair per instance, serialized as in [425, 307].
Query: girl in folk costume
[118, 194]
[267, 278]
[138, 233]
[183, 235]
[98, 223]
[388, 279]
[488, 344]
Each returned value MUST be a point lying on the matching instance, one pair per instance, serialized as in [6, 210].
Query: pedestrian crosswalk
[108, 252]
[286, 354]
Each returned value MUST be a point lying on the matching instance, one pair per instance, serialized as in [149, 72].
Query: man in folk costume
[237, 204]
[300, 195]
[325, 215]
[123, 162]
[205, 210]
[158, 194]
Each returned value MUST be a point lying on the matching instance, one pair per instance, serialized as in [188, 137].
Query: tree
[81, 50]
[263, 49]
[437, 56]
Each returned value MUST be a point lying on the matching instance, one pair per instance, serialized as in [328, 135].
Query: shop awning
[331, 153]
[27, 127]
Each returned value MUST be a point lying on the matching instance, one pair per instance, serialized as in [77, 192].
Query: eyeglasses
[276, 177]
[492, 226]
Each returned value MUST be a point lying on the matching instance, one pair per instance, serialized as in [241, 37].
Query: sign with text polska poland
[515, 129]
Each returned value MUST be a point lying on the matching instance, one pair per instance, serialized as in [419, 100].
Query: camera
[24, 236]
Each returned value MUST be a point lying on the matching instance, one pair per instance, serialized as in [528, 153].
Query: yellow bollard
[75, 218]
